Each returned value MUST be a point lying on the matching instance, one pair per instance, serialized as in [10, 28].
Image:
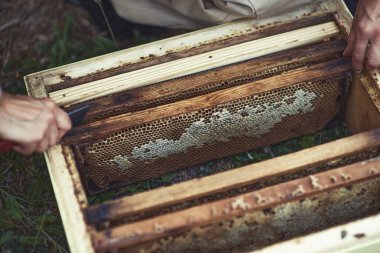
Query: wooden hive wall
[361, 112]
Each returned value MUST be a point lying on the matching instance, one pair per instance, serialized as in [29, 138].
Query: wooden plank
[342, 16]
[68, 190]
[195, 39]
[152, 59]
[361, 113]
[194, 64]
[373, 87]
[174, 223]
[333, 241]
[70, 197]
[99, 129]
[189, 86]
[370, 82]
[232, 179]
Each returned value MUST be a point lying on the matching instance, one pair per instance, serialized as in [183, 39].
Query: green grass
[64, 50]
[29, 221]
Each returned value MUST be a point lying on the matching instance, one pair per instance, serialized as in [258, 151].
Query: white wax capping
[251, 121]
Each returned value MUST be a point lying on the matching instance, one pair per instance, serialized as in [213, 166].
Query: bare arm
[364, 40]
[33, 124]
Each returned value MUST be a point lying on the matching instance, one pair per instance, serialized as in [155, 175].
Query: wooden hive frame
[82, 81]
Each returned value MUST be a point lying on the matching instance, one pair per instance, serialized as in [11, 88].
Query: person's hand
[364, 40]
[32, 124]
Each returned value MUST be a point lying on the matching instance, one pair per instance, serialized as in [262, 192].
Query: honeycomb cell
[167, 144]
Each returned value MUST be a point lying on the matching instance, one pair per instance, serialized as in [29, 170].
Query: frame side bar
[70, 197]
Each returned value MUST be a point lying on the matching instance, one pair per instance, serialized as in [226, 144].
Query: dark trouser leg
[351, 4]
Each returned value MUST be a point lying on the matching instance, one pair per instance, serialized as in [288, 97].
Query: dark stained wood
[223, 181]
[361, 113]
[97, 130]
[269, 30]
[177, 89]
[174, 223]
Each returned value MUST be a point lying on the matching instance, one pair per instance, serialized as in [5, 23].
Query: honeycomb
[197, 91]
[167, 144]
[255, 230]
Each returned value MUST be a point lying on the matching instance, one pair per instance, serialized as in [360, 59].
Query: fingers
[363, 43]
[49, 139]
[359, 53]
[350, 43]
[45, 131]
[43, 145]
[63, 122]
[357, 48]
[33, 124]
[373, 55]
[26, 149]
[53, 134]
[58, 124]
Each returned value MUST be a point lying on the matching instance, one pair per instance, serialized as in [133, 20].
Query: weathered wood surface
[231, 179]
[253, 33]
[68, 190]
[174, 223]
[374, 89]
[99, 129]
[361, 113]
[70, 197]
[194, 64]
[353, 242]
[190, 86]
[88, 70]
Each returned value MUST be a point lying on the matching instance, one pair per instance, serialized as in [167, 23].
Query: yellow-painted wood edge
[68, 189]
[195, 64]
[70, 198]
[166, 46]
[355, 237]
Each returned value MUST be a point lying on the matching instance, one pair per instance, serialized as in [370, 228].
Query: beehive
[212, 93]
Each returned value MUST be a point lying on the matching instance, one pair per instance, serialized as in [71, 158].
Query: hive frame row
[65, 178]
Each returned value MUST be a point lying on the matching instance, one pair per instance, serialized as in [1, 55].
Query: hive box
[167, 105]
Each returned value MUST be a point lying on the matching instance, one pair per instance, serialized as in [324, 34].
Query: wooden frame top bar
[194, 64]
[195, 188]
[86, 134]
[179, 43]
[176, 89]
[173, 223]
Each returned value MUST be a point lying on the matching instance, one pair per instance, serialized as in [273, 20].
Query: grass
[29, 221]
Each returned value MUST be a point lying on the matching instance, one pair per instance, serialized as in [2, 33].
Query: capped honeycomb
[167, 144]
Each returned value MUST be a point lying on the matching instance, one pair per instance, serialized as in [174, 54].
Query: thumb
[350, 44]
